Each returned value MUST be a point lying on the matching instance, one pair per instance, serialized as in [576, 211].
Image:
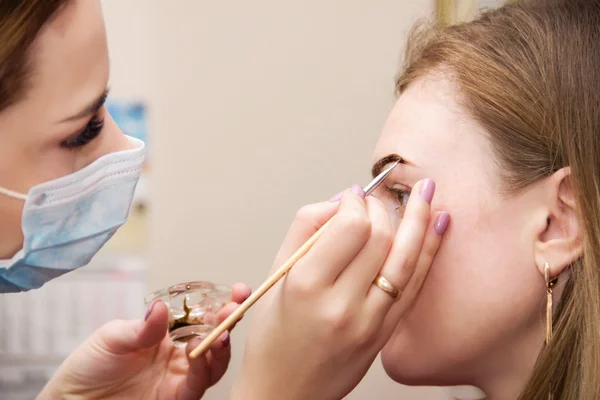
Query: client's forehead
[428, 128]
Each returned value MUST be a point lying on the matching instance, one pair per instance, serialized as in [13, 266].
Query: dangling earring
[550, 282]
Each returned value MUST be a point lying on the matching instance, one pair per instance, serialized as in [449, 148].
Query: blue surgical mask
[67, 220]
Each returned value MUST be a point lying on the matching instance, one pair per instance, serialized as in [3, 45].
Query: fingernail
[358, 190]
[336, 197]
[442, 223]
[427, 190]
[149, 310]
[225, 338]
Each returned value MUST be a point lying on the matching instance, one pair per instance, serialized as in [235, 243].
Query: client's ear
[560, 243]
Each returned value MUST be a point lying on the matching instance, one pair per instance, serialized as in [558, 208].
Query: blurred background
[249, 110]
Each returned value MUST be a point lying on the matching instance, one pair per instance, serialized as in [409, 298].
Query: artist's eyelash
[90, 132]
[401, 194]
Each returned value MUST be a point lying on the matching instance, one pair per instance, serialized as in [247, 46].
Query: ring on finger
[385, 285]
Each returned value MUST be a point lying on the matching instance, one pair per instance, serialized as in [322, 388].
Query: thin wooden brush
[280, 273]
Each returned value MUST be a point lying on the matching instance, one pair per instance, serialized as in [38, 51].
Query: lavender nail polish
[149, 310]
[225, 340]
[358, 190]
[336, 197]
[442, 223]
[427, 190]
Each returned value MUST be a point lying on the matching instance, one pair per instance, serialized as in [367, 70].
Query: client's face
[483, 298]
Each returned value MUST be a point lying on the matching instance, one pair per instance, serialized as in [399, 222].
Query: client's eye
[89, 133]
[401, 193]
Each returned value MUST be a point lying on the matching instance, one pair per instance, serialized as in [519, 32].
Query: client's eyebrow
[382, 162]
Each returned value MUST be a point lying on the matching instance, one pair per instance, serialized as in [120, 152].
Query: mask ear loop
[13, 194]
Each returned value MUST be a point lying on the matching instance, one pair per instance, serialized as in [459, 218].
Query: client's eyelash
[401, 194]
[91, 132]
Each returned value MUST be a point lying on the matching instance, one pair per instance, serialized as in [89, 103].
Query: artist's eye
[89, 133]
[401, 193]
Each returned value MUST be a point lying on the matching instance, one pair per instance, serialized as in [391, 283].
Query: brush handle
[268, 284]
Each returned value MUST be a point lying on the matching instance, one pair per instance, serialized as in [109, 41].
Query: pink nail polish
[442, 223]
[149, 310]
[358, 190]
[427, 190]
[336, 197]
[225, 339]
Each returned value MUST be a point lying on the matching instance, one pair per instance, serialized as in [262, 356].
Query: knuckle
[432, 242]
[382, 235]
[301, 286]
[381, 229]
[339, 319]
[402, 260]
[415, 218]
[355, 222]
[429, 249]
[409, 264]
[419, 213]
[365, 335]
[404, 267]
[113, 325]
[306, 213]
[111, 329]
[374, 202]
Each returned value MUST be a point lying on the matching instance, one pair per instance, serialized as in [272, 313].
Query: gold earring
[550, 282]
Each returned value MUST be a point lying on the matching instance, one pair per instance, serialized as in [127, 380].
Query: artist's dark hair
[20, 23]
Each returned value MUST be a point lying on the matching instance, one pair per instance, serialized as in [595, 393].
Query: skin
[316, 333]
[70, 72]
[478, 319]
[135, 360]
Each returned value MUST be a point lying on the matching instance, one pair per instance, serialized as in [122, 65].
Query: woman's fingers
[401, 262]
[123, 337]
[309, 219]
[198, 376]
[356, 279]
[240, 292]
[224, 313]
[206, 370]
[337, 246]
[433, 239]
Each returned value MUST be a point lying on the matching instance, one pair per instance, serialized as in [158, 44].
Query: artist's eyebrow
[92, 108]
[383, 162]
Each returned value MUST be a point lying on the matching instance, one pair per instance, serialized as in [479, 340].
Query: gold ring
[386, 286]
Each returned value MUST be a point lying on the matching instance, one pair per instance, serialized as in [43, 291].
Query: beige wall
[256, 109]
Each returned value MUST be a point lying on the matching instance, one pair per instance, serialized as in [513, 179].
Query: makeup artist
[67, 177]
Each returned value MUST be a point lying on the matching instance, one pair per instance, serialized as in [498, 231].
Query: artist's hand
[134, 360]
[317, 332]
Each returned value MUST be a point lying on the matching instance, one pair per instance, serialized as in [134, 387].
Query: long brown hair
[20, 23]
[530, 74]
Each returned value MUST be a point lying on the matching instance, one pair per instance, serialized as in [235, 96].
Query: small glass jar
[193, 307]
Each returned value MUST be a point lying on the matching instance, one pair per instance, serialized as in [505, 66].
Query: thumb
[309, 219]
[122, 337]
